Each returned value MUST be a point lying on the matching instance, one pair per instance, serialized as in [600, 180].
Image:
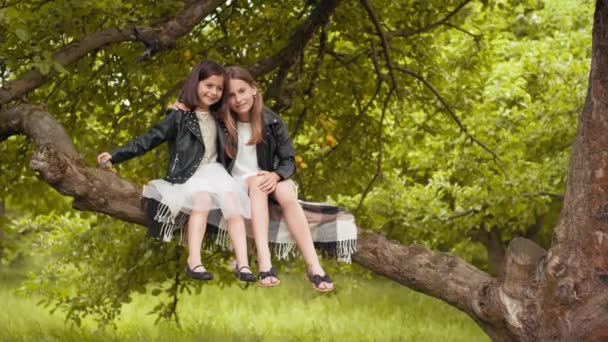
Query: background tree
[453, 120]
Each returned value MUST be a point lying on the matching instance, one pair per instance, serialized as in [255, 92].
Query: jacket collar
[269, 117]
[193, 126]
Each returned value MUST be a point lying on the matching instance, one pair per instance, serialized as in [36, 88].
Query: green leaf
[59, 68]
[22, 34]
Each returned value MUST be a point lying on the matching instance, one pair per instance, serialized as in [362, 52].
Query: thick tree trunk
[576, 267]
[555, 295]
[1, 231]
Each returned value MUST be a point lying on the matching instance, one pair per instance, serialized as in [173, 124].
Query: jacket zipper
[175, 162]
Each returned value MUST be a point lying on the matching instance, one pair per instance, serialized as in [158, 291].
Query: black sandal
[244, 276]
[318, 279]
[272, 272]
[198, 275]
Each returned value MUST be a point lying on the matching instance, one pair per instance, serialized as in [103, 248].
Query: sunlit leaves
[513, 72]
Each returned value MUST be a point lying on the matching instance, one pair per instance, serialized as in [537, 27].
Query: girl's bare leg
[197, 225]
[285, 194]
[238, 238]
[259, 225]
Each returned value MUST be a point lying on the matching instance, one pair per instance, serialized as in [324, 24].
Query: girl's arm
[158, 134]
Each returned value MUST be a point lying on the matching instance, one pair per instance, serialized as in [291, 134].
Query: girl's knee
[253, 183]
[285, 193]
[235, 221]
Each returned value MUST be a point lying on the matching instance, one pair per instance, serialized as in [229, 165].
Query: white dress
[246, 162]
[210, 187]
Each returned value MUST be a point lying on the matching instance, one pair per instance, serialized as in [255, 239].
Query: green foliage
[518, 93]
[514, 73]
[93, 265]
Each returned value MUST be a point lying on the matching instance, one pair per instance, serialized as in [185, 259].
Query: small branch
[405, 34]
[361, 109]
[385, 47]
[298, 40]
[309, 92]
[477, 37]
[542, 194]
[380, 149]
[463, 214]
[453, 115]
[175, 288]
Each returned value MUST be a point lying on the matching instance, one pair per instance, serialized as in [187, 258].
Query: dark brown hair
[189, 93]
[255, 115]
[201, 71]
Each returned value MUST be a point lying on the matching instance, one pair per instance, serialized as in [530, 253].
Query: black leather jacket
[275, 153]
[186, 147]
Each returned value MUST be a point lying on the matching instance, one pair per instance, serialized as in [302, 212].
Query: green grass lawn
[360, 310]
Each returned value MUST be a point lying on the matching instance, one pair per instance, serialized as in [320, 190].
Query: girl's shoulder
[181, 116]
[270, 117]
[176, 113]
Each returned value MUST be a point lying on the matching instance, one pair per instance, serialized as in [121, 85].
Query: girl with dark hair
[196, 181]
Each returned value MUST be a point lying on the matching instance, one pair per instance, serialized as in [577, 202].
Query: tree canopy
[444, 123]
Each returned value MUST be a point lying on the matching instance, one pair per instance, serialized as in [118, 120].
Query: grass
[360, 310]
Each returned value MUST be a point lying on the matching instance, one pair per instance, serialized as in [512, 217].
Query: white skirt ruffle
[211, 187]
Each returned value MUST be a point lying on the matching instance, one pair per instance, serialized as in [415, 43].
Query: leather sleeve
[158, 134]
[287, 165]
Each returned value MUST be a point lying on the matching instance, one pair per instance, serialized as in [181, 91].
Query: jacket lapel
[194, 127]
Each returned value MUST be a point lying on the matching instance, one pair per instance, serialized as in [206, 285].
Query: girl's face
[241, 97]
[210, 91]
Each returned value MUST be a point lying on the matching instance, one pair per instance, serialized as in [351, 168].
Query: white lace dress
[211, 187]
[246, 161]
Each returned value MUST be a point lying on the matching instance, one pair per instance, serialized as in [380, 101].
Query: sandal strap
[195, 267]
[272, 272]
[243, 267]
[244, 276]
[318, 279]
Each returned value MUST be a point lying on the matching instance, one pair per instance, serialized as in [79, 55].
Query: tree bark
[495, 249]
[2, 210]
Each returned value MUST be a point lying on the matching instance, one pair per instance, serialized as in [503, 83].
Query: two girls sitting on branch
[231, 159]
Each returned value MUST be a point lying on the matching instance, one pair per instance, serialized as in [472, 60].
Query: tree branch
[298, 40]
[405, 34]
[453, 115]
[378, 172]
[57, 162]
[374, 17]
[437, 274]
[156, 37]
[309, 92]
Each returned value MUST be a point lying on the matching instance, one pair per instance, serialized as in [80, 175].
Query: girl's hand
[268, 181]
[103, 159]
[179, 105]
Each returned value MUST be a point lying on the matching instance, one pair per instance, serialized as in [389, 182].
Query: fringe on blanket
[163, 225]
[339, 250]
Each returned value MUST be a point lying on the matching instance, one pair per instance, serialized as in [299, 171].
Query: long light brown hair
[255, 115]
